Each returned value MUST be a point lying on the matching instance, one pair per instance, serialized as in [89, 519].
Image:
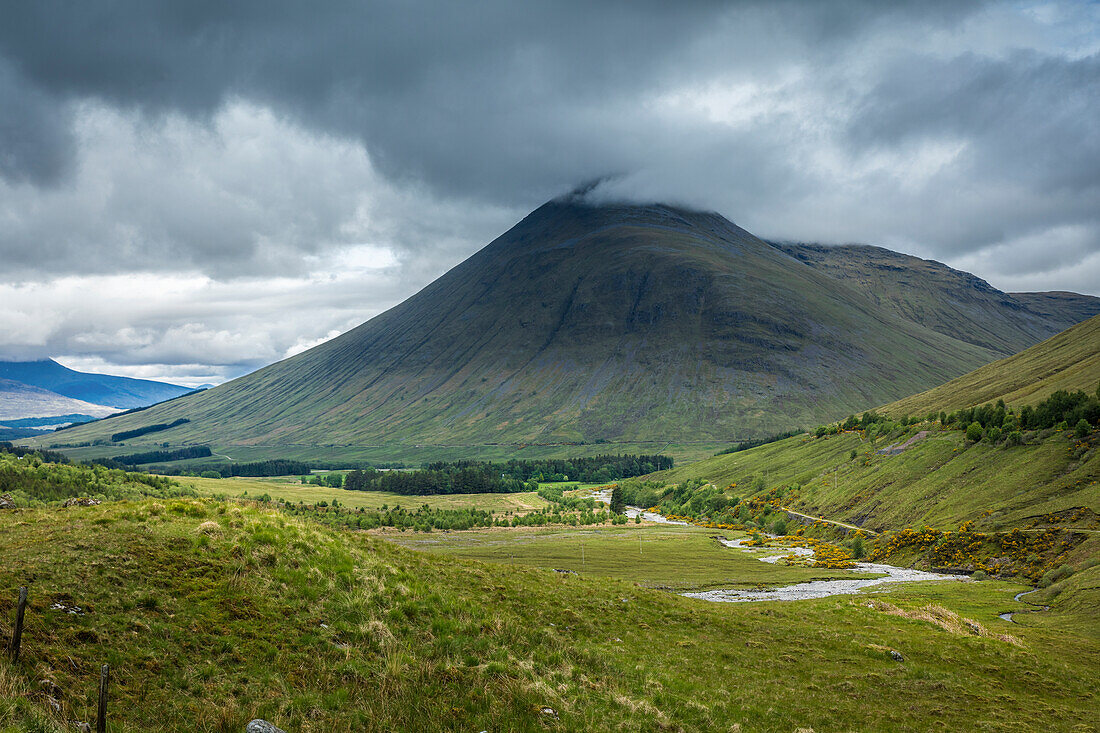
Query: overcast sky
[190, 190]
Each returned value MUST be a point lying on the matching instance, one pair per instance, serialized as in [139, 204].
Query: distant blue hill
[38, 422]
[101, 389]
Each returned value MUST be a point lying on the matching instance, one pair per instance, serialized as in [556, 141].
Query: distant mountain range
[46, 389]
[101, 389]
[626, 323]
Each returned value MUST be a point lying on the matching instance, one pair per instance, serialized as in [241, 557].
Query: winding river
[798, 591]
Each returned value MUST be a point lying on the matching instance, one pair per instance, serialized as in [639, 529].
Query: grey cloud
[468, 98]
[254, 139]
[36, 143]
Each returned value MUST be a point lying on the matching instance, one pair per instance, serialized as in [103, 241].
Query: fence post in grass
[101, 712]
[17, 633]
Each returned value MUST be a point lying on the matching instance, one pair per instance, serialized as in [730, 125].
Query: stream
[632, 511]
[817, 588]
[1007, 616]
[797, 591]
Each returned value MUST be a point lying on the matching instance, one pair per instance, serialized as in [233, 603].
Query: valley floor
[212, 612]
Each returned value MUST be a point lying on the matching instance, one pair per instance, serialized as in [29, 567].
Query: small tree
[1082, 429]
[617, 502]
[857, 547]
[974, 432]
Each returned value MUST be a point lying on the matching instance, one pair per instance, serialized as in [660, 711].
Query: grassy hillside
[407, 453]
[941, 480]
[627, 324]
[1069, 361]
[212, 613]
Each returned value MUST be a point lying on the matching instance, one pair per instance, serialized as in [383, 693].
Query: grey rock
[80, 501]
[262, 726]
[6, 502]
[896, 656]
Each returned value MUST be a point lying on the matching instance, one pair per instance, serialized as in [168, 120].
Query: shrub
[979, 575]
[1082, 429]
[210, 474]
[1053, 576]
[974, 432]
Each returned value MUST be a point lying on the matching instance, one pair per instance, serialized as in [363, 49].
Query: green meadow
[668, 557]
[290, 489]
[213, 612]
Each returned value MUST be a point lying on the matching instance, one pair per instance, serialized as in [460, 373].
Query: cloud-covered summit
[296, 143]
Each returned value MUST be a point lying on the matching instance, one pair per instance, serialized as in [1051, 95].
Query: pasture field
[289, 488]
[655, 555]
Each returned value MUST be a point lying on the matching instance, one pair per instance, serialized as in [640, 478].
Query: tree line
[138, 432]
[475, 479]
[153, 456]
[592, 469]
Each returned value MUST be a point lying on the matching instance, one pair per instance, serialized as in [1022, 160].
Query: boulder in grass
[262, 726]
[6, 502]
[80, 501]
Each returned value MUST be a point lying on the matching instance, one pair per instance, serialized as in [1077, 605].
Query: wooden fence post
[101, 713]
[17, 634]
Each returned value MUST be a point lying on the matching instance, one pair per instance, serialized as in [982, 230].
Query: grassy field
[290, 488]
[670, 557]
[1070, 361]
[941, 480]
[212, 613]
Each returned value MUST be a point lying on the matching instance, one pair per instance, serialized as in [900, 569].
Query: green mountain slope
[586, 323]
[941, 480]
[1069, 361]
[892, 476]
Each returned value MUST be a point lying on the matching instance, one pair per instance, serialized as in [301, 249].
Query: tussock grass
[946, 619]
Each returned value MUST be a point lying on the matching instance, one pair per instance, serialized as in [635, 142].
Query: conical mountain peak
[614, 322]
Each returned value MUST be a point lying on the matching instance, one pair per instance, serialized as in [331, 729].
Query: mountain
[98, 389]
[948, 301]
[18, 400]
[590, 323]
[1069, 361]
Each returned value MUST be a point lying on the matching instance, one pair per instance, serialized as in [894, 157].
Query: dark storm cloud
[501, 98]
[1028, 120]
[281, 141]
[36, 144]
